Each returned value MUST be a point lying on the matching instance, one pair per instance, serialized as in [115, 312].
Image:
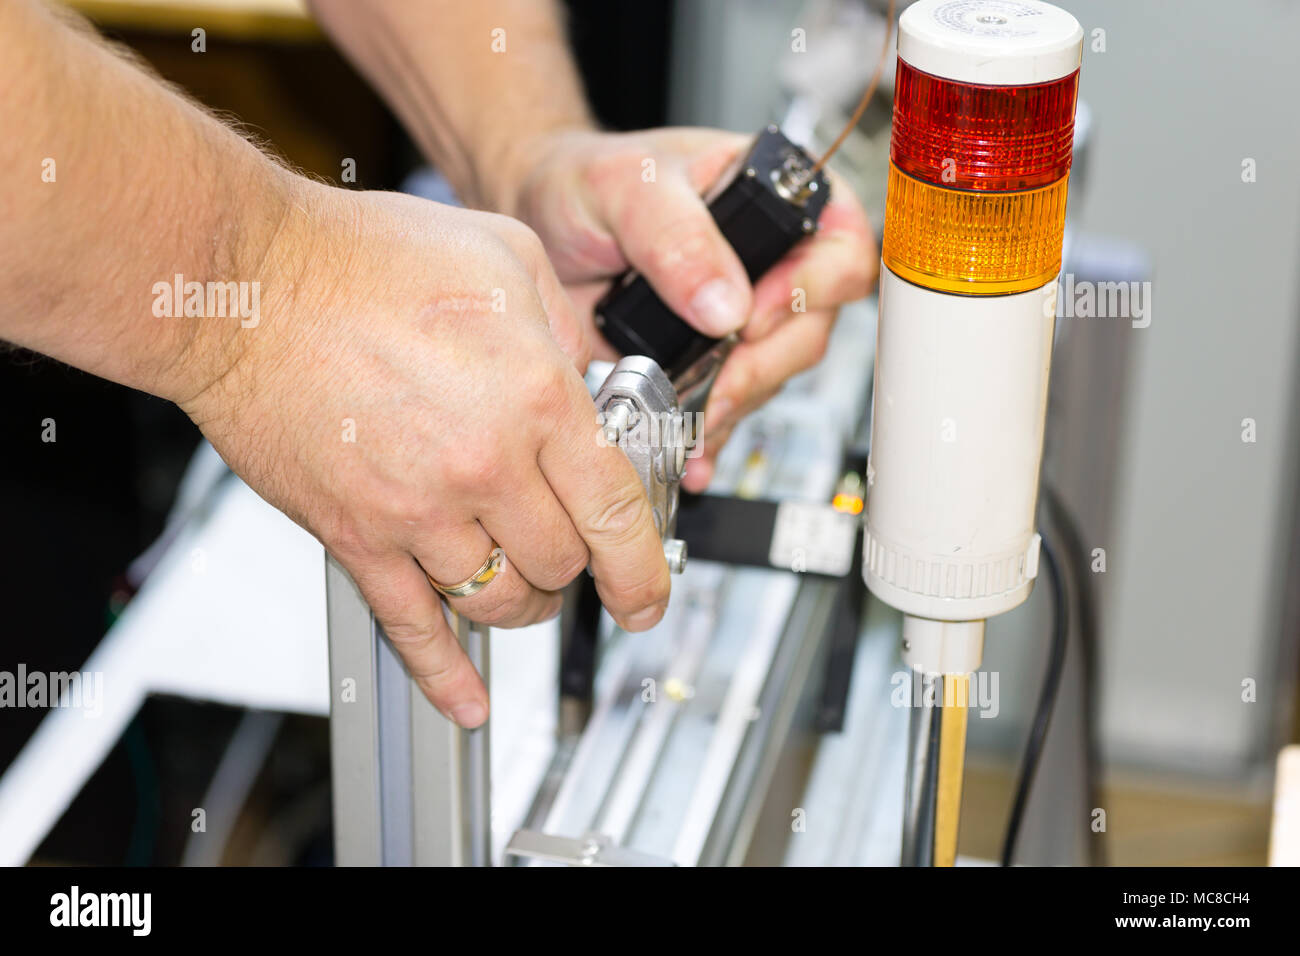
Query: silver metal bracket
[638, 410]
[590, 850]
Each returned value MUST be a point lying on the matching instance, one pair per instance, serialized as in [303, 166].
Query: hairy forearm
[477, 84]
[115, 184]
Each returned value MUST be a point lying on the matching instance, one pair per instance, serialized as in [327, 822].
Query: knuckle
[818, 346]
[839, 278]
[859, 279]
[496, 610]
[521, 238]
[580, 350]
[432, 673]
[345, 539]
[647, 592]
[406, 635]
[480, 463]
[742, 378]
[684, 247]
[623, 517]
[617, 164]
[563, 568]
[406, 509]
[552, 608]
[548, 392]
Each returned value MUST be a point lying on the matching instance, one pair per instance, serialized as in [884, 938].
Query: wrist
[517, 167]
[257, 255]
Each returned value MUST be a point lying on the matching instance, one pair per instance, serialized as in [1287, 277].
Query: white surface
[1193, 588]
[234, 612]
[1284, 844]
[809, 536]
[993, 42]
[957, 440]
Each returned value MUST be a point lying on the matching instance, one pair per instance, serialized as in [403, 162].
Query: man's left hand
[603, 201]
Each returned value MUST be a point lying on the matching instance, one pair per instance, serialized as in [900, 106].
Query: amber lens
[975, 243]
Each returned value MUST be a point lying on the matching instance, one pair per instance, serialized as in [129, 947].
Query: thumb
[671, 238]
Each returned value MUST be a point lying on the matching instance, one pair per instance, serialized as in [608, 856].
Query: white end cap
[991, 42]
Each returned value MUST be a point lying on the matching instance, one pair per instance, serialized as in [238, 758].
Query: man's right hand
[411, 394]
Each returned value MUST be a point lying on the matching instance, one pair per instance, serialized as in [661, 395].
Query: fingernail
[719, 307]
[470, 715]
[699, 472]
[645, 618]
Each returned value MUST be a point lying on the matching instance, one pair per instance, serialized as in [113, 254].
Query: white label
[989, 18]
[813, 537]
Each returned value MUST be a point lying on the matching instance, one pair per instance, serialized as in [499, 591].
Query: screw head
[590, 849]
[618, 418]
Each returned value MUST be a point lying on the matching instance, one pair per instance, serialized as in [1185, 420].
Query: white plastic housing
[959, 407]
[993, 42]
[942, 647]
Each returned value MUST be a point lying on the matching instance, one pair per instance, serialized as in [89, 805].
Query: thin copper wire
[866, 97]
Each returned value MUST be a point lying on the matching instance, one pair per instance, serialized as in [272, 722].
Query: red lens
[965, 136]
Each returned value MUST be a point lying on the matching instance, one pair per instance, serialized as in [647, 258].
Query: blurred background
[1184, 178]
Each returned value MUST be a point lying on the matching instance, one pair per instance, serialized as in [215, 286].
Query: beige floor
[1151, 823]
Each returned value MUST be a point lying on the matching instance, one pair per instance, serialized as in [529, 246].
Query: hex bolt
[618, 418]
[675, 554]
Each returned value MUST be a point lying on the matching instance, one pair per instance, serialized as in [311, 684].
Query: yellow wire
[952, 759]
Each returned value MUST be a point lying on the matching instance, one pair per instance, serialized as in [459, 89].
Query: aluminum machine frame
[410, 787]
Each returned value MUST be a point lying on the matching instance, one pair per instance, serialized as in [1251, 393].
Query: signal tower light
[983, 131]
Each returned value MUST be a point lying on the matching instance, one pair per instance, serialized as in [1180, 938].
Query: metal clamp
[590, 850]
[638, 411]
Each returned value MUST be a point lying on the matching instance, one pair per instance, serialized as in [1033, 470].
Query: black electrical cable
[148, 800]
[1078, 563]
[1046, 701]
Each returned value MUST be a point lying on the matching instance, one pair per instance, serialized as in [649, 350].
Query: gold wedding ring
[475, 582]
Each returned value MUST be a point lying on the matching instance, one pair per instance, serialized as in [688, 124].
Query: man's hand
[490, 93]
[602, 202]
[410, 396]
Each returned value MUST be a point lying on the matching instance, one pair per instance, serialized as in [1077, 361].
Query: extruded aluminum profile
[410, 787]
